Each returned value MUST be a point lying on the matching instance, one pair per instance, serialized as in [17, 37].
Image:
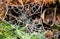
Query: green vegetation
[55, 27]
[8, 31]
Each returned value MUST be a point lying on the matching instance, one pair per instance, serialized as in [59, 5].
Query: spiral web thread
[24, 18]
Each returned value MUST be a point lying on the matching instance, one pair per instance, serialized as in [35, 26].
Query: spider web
[17, 14]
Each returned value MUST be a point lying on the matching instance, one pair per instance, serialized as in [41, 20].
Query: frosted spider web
[17, 14]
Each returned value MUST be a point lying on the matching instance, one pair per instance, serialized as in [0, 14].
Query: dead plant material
[48, 16]
[2, 10]
[57, 19]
